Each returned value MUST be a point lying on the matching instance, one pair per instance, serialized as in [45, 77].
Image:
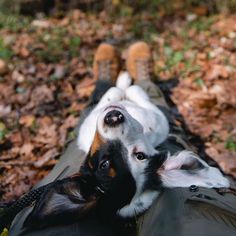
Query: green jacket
[181, 212]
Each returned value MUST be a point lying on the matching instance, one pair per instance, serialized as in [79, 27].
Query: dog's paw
[114, 94]
[123, 81]
[126, 212]
[136, 93]
[139, 205]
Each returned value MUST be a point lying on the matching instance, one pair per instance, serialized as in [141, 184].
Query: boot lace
[104, 70]
[143, 69]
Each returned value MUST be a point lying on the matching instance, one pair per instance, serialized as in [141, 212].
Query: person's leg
[139, 65]
[178, 211]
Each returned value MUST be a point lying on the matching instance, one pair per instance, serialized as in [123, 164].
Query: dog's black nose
[114, 118]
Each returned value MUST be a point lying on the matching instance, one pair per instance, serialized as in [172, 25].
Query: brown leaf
[41, 23]
[224, 158]
[47, 133]
[50, 154]
[70, 121]
[41, 94]
[24, 52]
[4, 110]
[27, 149]
[16, 138]
[59, 72]
[85, 88]
[27, 120]
[217, 71]
[3, 67]
[17, 76]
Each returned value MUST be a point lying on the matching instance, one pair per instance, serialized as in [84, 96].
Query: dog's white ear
[186, 168]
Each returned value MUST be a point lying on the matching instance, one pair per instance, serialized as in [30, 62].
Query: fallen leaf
[27, 120]
[3, 67]
[41, 23]
[27, 149]
[50, 154]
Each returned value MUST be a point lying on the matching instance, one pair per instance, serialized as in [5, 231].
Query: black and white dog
[123, 172]
[125, 113]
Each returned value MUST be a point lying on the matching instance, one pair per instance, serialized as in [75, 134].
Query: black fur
[99, 193]
[122, 187]
[12, 210]
[46, 213]
[153, 181]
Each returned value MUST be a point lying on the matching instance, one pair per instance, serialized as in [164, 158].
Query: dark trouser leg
[154, 92]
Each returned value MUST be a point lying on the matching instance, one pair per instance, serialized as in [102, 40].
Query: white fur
[135, 133]
[138, 204]
[173, 176]
[88, 127]
[135, 103]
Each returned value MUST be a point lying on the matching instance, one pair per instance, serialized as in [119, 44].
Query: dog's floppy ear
[60, 202]
[186, 168]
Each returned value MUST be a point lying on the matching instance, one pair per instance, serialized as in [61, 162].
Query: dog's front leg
[137, 95]
[114, 94]
[138, 204]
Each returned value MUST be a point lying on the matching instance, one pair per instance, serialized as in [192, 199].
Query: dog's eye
[104, 165]
[140, 156]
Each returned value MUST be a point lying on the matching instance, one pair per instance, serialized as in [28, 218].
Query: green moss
[14, 23]
[3, 130]
[199, 82]
[230, 144]
[74, 44]
[5, 52]
[202, 23]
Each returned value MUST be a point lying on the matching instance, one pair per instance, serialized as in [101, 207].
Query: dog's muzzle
[114, 118]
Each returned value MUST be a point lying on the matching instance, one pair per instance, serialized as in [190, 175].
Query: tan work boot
[139, 61]
[139, 64]
[106, 65]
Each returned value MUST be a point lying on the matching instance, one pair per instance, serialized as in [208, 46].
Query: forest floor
[46, 79]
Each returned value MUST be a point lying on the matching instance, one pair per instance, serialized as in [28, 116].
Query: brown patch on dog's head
[112, 172]
[98, 141]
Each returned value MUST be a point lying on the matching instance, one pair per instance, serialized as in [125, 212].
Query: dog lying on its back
[121, 108]
[119, 144]
[125, 113]
[123, 172]
[106, 185]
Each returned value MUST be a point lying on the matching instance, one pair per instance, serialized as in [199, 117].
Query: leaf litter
[46, 79]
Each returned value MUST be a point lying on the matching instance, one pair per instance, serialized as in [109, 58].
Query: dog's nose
[114, 118]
